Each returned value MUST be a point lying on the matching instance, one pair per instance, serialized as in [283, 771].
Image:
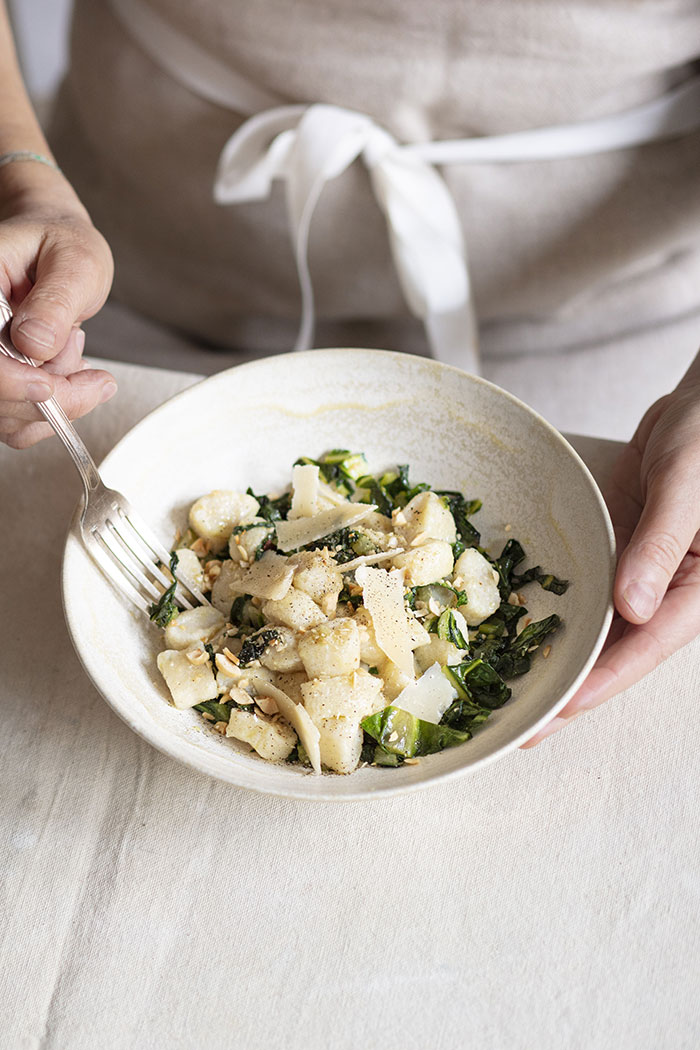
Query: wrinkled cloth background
[552, 901]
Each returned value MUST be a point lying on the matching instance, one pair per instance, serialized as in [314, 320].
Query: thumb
[665, 531]
[71, 283]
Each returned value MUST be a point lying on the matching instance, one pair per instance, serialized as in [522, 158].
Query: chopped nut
[507, 528]
[392, 542]
[220, 727]
[226, 666]
[178, 537]
[546, 651]
[240, 696]
[200, 547]
[513, 599]
[419, 539]
[411, 761]
[197, 656]
[230, 656]
[213, 568]
[354, 589]
[394, 737]
[434, 607]
[207, 716]
[267, 705]
[399, 517]
[458, 582]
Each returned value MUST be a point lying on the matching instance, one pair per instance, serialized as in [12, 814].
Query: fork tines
[132, 557]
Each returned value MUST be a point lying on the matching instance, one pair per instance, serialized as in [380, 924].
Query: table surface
[550, 901]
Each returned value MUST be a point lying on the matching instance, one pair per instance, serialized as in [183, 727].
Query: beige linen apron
[560, 249]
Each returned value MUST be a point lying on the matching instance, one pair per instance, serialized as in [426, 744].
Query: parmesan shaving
[382, 596]
[429, 697]
[269, 578]
[369, 559]
[297, 716]
[304, 491]
[293, 534]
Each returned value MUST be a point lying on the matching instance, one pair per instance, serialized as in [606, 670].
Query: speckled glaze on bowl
[246, 426]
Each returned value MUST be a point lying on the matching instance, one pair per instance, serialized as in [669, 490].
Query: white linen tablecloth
[551, 901]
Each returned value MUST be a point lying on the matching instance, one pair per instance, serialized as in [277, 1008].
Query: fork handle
[51, 410]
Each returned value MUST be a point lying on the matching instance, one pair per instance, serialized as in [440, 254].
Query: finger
[77, 394]
[71, 283]
[666, 529]
[20, 382]
[638, 648]
[623, 493]
[27, 435]
[70, 358]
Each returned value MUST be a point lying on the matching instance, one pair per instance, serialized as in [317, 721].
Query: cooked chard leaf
[465, 715]
[390, 490]
[166, 609]
[256, 644]
[375, 493]
[444, 593]
[220, 712]
[355, 600]
[336, 466]
[511, 555]
[447, 629]
[272, 509]
[479, 682]
[401, 733]
[461, 510]
[304, 759]
[516, 659]
[380, 757]
[346, 544]
[546, 580]
[209, 649]
[245, 615]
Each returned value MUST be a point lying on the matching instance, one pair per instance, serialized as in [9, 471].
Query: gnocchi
[340, 631]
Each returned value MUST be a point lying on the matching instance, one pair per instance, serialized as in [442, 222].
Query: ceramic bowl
[246, 426]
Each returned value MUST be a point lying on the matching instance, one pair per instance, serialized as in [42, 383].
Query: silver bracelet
[25, 154]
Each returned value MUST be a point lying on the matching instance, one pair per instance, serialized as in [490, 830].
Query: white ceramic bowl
[246, 426]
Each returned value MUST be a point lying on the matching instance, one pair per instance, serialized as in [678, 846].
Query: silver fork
[123, 546]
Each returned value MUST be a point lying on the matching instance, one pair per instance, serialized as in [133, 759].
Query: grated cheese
[293, 534]
[382, 596]
[429, 697]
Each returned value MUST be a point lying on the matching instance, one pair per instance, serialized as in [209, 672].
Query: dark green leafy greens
[399, 733]
[245, 615]
[255, 645]
[494, 651]
[461, 510]
[166, 608]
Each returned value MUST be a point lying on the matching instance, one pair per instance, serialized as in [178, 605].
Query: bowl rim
[180, 750]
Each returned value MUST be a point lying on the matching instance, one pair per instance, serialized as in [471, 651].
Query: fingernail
[79, 339]
[39, 333]
[38, 392]
[108, 390]
[641, 599]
